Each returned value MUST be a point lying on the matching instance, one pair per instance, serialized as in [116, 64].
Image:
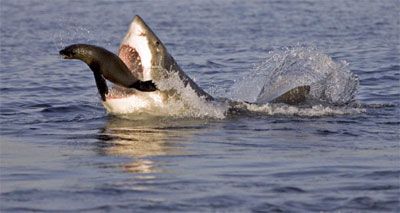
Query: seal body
[106, 65]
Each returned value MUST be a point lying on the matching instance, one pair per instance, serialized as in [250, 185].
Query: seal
[106, 65]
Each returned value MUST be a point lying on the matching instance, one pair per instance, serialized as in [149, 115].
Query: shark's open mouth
[132, 60]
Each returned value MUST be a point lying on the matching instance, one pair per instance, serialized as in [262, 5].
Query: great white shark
[140, 71]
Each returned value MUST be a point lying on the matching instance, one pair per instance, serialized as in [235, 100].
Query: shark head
[143, 52]
[148, 59]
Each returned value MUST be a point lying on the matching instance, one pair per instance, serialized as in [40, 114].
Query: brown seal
[106, 65]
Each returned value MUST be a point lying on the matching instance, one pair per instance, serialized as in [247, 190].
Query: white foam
[313, 111]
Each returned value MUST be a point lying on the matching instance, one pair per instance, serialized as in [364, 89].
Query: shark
[145, 77]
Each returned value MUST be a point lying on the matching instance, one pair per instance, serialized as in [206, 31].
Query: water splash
[332, 89]
[282, 70]
[188, 101]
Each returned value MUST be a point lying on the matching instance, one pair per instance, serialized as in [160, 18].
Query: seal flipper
[294, 96]
[101, 85]
[144, 86]
[100, 81]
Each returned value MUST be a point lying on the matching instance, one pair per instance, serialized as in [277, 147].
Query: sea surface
[61, 152]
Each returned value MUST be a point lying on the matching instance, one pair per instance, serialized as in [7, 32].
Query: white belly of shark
[140, 102]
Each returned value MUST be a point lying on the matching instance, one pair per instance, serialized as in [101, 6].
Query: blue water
[61, 151]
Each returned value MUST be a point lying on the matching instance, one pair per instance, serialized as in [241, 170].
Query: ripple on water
[288, 189]
[385, 174]
[371, 204]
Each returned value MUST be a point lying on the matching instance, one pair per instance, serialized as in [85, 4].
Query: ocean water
[60, 151]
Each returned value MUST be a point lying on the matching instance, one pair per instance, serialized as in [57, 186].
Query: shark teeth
[132, 60]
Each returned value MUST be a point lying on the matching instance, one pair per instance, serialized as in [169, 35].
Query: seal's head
[82, 52]
[70, 52]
